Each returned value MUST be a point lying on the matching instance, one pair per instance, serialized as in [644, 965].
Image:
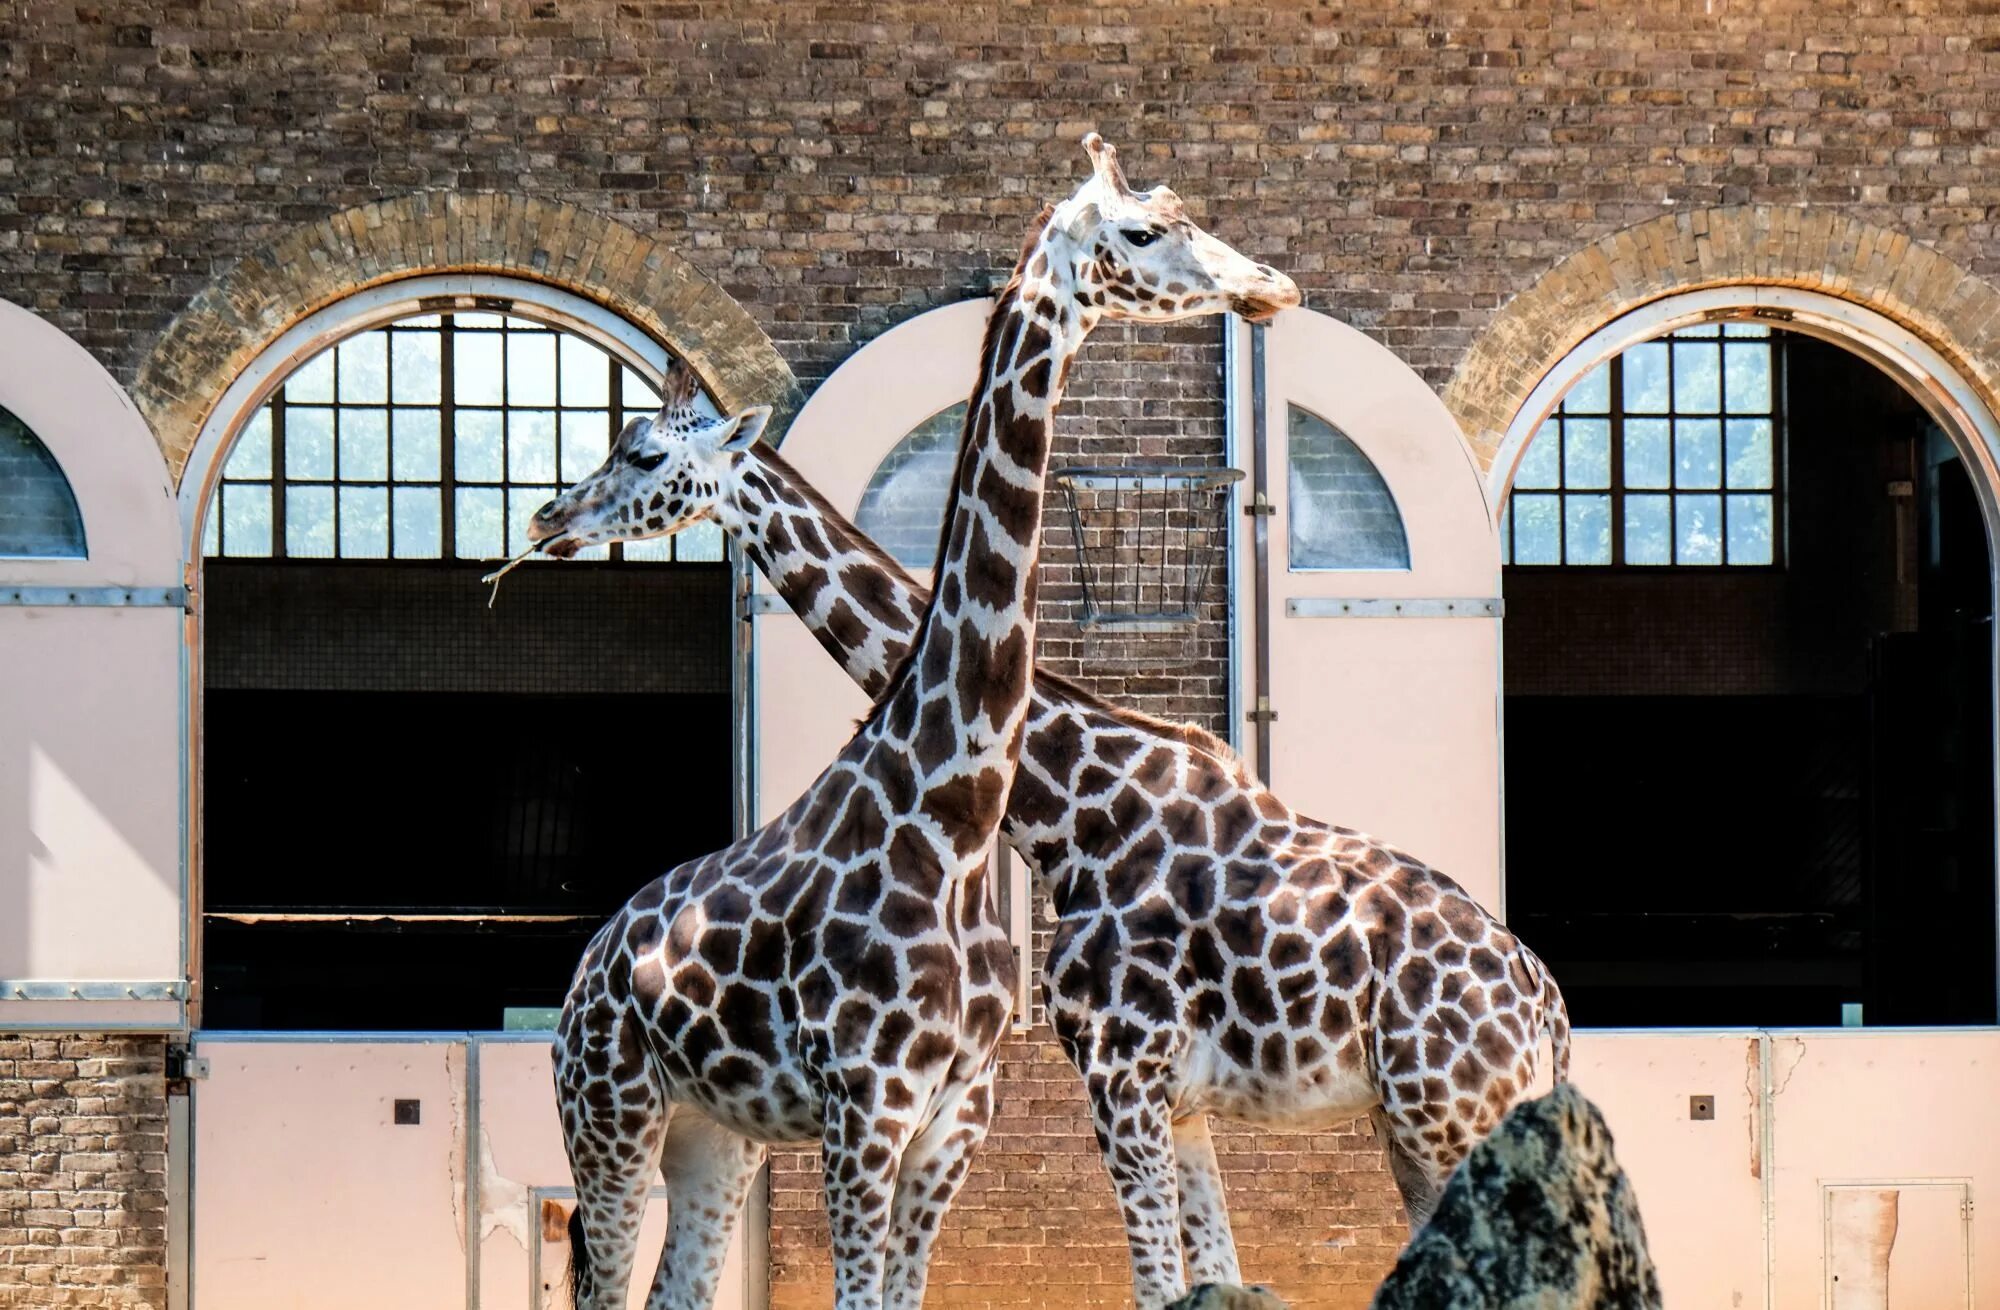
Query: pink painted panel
[1905, 1111]
[89, 795]
[1389, 725]
[521, 1150]
[307, 1194]
[1697, 1180]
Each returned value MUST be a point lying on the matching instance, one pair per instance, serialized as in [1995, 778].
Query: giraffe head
[1137, 254]
[664, 473]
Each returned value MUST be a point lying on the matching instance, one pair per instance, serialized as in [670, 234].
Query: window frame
[277, 404]
[1615, 416]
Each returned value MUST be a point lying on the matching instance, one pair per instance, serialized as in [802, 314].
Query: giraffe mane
[988, 347]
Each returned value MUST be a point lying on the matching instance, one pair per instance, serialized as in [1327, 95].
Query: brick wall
[83, 1171]
[839, 167]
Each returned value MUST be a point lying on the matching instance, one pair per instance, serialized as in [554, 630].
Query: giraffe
[839, 975]
[1216, 951]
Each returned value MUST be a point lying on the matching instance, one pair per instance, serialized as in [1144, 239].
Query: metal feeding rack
[1147, 537]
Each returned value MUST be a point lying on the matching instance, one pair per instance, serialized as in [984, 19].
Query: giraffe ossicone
[1204, 926]
[838, 975]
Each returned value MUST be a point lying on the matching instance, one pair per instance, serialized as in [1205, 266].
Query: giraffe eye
[1140, 236]
[649, 462]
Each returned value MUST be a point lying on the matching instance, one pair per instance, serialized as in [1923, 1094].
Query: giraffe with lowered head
[1217, 952]
[838, 976]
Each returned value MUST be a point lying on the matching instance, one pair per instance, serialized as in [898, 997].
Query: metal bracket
[50, 989]
[1263, 713]
[1259, 506]
[183, 1065]
[764, 602]
[101, 597]
[1335, 607]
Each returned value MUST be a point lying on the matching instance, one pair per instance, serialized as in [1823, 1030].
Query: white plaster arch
[105, 450]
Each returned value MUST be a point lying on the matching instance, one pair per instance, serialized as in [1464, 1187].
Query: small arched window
[1341, 512]
[903, 505]
[433, 437]
[39, 518]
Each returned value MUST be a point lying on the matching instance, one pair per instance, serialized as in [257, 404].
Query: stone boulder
[1227, 1296]
[1539, 1217]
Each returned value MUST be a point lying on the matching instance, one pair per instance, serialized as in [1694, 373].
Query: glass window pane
[1751, 461]
[1747, 376]
[1648, 462]
[1540, 464]
[1586, 453]
[1649, 530]
[1587, 529]
[476, 372]
[1697, 377]
[416, 447]
[1697, 452]
[586, 373]
[477, 454]
[531, 446]
[1340, 513]
[1750, 530]
[522, 502]
[364, 369]
[652, 548]
[1697, 529]
[1592, 395]
[246, 519]
[211, 530]
[364, 445]
[1507, 536]
[308, 443]
[477, 523]
[419, 528]
[1745, 330]
[309, 522]
[531, 368]
[479, 320]
[251, 457]
[586, 439]
[1537, 528]
[313, 381]
[364, 522]
[416, 364]
[1646, 378]
[637, 393]
[701, 541]
[902, 507]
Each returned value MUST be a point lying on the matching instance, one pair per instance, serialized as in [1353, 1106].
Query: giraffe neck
[862, 606]
[973, 657]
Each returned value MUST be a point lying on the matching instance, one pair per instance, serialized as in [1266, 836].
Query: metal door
[1375, 699]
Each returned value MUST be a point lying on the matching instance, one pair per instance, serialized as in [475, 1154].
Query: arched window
[432, 437]
[1341, 512]
[39, 518]
[903, 505]
[1666, 454]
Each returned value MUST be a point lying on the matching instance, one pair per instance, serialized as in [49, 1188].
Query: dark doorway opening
[417, 810]
[1763, 796]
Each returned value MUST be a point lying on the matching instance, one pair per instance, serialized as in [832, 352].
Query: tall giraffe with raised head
[838, 975]
[1217, 951]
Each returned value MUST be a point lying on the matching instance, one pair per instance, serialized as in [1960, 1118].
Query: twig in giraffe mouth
[512, 564]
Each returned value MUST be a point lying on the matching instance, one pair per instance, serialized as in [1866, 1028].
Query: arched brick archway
[1942, 303]
[240, 313]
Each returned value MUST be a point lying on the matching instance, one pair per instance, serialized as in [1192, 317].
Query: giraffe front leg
[933, 1170]
[1130, 1114]
[1206, 1239]
[708, 1171]
[862, 1146]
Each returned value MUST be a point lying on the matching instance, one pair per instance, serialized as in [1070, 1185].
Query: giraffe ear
[1086, 217]
[749, 426]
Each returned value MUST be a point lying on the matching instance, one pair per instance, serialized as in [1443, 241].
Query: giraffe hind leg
[708, 1171]
[1206, 1239]
[1420, 1177]
[932, 1170]
[614, 1169]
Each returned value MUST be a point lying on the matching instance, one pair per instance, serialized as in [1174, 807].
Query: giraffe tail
[579, 1259]
[1555, 1022]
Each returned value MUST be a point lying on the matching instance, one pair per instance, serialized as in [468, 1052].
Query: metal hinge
[1263, 713]
[184, 1066]
[1259, 507]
